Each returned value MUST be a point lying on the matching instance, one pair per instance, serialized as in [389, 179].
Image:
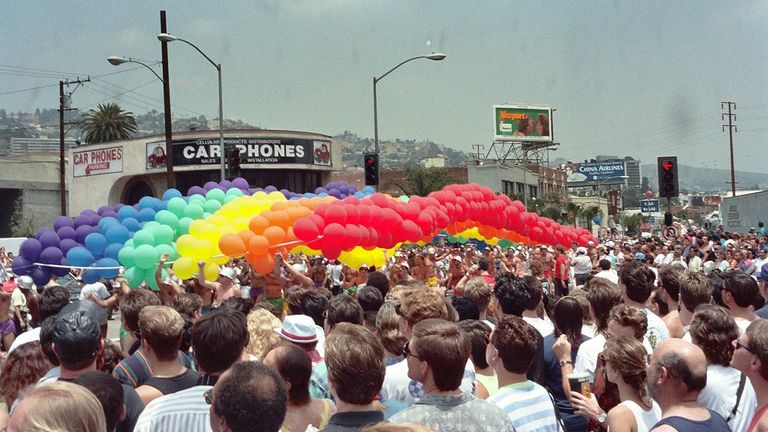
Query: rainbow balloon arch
[218, 222]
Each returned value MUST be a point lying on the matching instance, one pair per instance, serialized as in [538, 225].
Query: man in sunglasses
[750, 355]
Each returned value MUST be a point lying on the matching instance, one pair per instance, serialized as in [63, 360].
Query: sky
[626, 78]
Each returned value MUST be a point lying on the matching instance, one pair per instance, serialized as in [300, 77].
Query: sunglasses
[407, 352]
[740, 344]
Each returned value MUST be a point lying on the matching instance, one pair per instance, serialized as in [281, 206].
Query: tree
[422, 181]
[108, 122]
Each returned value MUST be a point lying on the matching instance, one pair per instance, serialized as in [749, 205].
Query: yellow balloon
[203, 250]
[211, 271]
[185, 245]
[219, 258]
[276, 196]
[185, 267]
[218, 220]
[240, 223]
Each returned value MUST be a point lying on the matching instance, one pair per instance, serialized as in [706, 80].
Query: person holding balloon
[225, 286]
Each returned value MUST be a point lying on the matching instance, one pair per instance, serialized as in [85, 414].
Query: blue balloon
[146, 215]
[60, 271]
[49, 239]
[66, 244]
[171, 193]
[51, 255]
[127, 212]
[30, 249]
[82, 232]
[21, 266]
[107, 273]
[79, 257]
[107, 222]
[96, 242]
[62, 221]
[146, 202]
[40, 275]
[132, 224]
[117, 234]
[112, 250]
[90, 276]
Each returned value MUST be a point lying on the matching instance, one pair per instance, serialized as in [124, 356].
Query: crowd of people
[627, 335]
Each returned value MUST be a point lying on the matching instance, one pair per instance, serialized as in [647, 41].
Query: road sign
[669, 232]
[650, 206]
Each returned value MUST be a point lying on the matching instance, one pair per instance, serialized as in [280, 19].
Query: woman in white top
[624, 358]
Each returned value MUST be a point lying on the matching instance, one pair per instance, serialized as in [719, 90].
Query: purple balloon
[335, 193]
[66, 244]
[82, 232]
[226, 184]
[88, 212]
[66, 233]
[82, 220]
[118, 206]
[246, 191]
[103, 209]
[62, 221]
[40, 275]
[95, 219]
[21, 266]
[51, 255]
[240, 183]
[210, 185]
[49, 239]
[196, 190]
[41, 231]
[30, 249]
[109, 213]
[60, 271]
[269, 189]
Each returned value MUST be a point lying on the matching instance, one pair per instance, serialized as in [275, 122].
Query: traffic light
[668, 186]
[234, 163]
[371, 165]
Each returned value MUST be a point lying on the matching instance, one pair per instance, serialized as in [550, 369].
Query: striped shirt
[184, 411]
[528, 405]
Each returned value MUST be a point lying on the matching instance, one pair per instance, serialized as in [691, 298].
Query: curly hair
[713, 329]
[630, 316]
[627, 357]
[24, 367]
[388, 328]
[603, 296]
[261, 324]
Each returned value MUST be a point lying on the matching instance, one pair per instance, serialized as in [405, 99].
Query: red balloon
[333, 235]
[305, 229]
[336, 214]
[351, 237]
[410, 232]
[319, 221]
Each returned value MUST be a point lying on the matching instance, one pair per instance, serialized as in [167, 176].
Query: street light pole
[166, 37]
[433, 57]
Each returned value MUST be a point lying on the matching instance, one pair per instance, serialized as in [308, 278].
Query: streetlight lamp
[167, 37]
[117, 61]
[433, 57]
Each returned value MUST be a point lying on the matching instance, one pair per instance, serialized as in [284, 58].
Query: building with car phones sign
[124, 171]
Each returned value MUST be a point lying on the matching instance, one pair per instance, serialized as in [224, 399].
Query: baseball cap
[228, 273]
[77, 331]
[298, 329]
[762, 273]
[640, 256]
[26, 282]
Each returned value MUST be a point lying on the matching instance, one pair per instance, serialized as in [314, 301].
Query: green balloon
[125, 256]
[215, 194]
[183, 227]
[134, 276]
[150, 225]
[230, 198]
[144, 237]
[234, 192]
[176, 205]
[197, 198]
[165, 217]
[168, 249]
[152, 283]
[146, 257]
[128, 243]
[212, 205]
[194, 211]
[164, 235]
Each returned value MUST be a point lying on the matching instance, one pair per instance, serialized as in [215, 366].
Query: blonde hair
[397, 427]
[388, 328]
[162, 327]
[61, 406]
[261, 322]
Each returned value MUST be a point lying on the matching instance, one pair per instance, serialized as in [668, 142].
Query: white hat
[25, 282]
[228, 273]
[581, 250]
[298, 329]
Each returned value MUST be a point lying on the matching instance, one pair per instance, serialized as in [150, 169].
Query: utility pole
[731, 129]
[170, 178]
[64, 105]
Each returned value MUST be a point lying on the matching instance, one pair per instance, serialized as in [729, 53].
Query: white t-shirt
[543, 325]
[399, 387]
[742, 324]
[644, 420]
[659, 260]
[611, 275]
[720, 396]
[695, 264]
[98, 289]
[581, 264]
[657, 330]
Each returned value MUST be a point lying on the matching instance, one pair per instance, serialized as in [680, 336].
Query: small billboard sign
[522, 123]
[650, 206]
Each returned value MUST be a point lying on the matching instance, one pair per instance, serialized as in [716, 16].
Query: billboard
[94, 162]
[595, 173]
[522, 123]
[650, 206]
[253, 150]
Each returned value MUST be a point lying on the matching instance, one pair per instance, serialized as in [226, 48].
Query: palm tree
[108, 122]
[422, 180]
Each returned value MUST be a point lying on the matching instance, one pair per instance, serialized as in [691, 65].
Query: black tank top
[715, 423]
[173, 384]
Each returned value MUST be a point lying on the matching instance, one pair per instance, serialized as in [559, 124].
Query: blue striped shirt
[184, 411]
[528, 406]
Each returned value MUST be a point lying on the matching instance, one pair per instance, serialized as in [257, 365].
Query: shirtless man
[225, 285]
[424, 270]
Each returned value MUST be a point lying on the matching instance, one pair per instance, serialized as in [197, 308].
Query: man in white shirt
[637, 282]
[661, 256]
[607, 271]
[582, 266]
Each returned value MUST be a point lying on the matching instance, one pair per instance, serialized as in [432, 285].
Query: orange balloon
[294, 213]
[258, 246]
[275, 235]
[279, 205]
[232, 245]
[290, 236]
[258, 224]
[263, 264]
[246, 236]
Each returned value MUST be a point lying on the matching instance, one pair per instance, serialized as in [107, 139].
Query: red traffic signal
[371, 168]
[667, 165]
[668, 181]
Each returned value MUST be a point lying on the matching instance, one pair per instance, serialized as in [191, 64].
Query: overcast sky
[637, 78]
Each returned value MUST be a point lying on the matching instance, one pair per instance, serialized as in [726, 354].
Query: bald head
[684, 363]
